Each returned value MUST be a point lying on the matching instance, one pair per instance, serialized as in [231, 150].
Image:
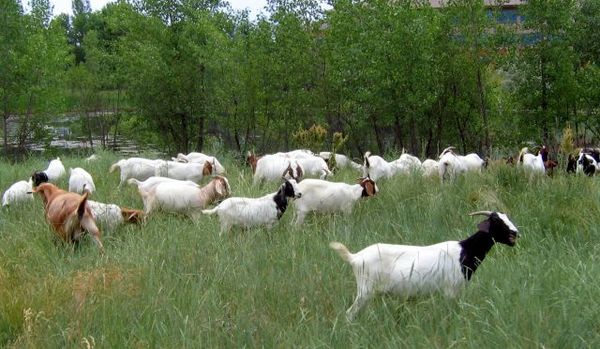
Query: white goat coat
[17, 192]
[272, 168]
[409, 270]
[147, 185]
[430, 168]
[55, 170]
[246, 212]
[177, 197]
[379, 168]
[138, 168]
[80, 179]
[325, 197]
[452, 165]
[196, 157]
[407, 163]
[534, 163]
[107, 216]
[342, 161]
[296, 154]
[183, 171]
[314, 166]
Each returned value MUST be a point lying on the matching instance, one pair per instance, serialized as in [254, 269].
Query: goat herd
[172, 186]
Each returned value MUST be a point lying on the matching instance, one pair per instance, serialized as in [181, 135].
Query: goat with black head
[409, 271]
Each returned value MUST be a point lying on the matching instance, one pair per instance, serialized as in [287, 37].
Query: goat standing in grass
[250, 212]
[409, 271]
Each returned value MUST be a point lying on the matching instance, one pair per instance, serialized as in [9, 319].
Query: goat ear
[484, 226]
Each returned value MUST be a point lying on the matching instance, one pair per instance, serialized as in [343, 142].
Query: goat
[314, 166]
[571, 164]
[54, 172]
[409, 271]
[110, 216]
[375, 167]
[18, 192]
[452, 165]
[407, 163]
[250, 212]
[341, 161]
[273, 167]
[588, 161]
[92, 157]
[68, 214]
[177, 197]
[296, 154]
[323, 196]
[201, 158]
[533, 163]
[430, 167]
[145, 187]
[138, 168]
[80, 180]
[252, 160]
[193, 171]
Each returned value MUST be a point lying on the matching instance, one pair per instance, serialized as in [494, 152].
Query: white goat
[17, 193]
[430, 168]
[376, 167]
[250, 212]
[532, 163]
[296, 154]
[138, 168]
[193, 171]
[341, 161]
[145, 187]
[55, 170]
[409, 271]
[80, 180]
[328, 197]
[92, 157]
[451, 165]
[407, 163]
[110, 216]
[177, 197]
[314, 166]
[273, 167]
[201, 158]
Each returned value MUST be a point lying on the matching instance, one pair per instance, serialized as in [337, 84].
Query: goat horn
[481, 213]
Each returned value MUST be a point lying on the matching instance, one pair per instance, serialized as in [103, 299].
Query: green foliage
[312, 138]
[176, 283]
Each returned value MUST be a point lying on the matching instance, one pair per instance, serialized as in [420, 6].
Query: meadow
[175, 283]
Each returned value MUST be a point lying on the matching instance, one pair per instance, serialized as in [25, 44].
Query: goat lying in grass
[250, 212]
[409, 271]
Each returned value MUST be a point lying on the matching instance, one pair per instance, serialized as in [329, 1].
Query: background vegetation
[176, 283]
[391, 74]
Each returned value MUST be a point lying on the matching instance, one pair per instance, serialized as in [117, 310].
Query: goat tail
[114, 166]
[211, 212]
[341, 250]
[134, 181]
[82, 203]
[522, 153]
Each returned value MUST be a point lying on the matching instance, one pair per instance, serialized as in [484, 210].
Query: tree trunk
[483, 111]
[377, 133]
[398, 132]
[201, 126]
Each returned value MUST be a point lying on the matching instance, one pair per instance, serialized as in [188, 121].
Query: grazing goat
[68, 214]
[407, 163]
[17, 193]
[193, 171]
[110, 216]
[138, 168]
[273, 167]
[314, 166]
[430, 168]
[177, 197]
[250, 212]
[80, 180]
[341, 161]
[145, 187]
[375, 167]
[588, 161]
[452, 165]
[92, 157]
[327, 197]
[252, 160]
[52, 173]
[533, 163]
[409, 271]
[201, 158]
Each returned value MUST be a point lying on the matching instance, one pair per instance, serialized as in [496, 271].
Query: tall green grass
[175, 283]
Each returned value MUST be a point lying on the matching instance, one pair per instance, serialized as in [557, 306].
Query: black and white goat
[588, 161]
[409, 271]
[251, 212]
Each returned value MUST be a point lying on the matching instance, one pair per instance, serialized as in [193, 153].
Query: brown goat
[68, 214]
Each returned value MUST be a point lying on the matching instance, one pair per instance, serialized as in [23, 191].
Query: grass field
[174, 283]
